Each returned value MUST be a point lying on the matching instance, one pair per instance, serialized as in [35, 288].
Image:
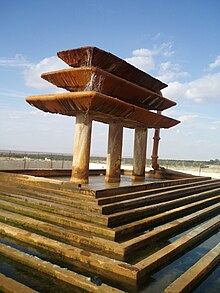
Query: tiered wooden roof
[106, 87]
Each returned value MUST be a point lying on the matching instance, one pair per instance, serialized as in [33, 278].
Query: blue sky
[176, 41]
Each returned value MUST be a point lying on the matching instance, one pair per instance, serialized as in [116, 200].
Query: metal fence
[10, 160]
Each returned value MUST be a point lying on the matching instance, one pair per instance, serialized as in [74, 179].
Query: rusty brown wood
[95, 79]
[103, 108]
[92, 56]
[191, 278]
[154, 156]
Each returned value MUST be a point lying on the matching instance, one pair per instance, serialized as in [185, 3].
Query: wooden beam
[188, 280]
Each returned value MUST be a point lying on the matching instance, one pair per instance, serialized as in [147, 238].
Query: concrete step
[9, 285]
[138, 194]
[137, 244]
[188, 281]
[119, 218]
[106, 267]
[42, 182]
[162, 257]
[159, 197]
[60, 209]
[83, 204]
[130, 230]
[111, 192]
[78, 239]
[75, 280]
[63, 221]
[47, 200]
[25, 188]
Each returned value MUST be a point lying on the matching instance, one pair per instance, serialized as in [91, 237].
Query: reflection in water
[160, 280]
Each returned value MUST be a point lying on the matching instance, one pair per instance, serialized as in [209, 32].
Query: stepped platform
[107, 237]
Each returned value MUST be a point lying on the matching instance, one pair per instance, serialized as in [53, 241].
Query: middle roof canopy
[96, 79]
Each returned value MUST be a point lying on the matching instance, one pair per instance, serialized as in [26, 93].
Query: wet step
[191, 278]
[158, 197]
[72, 212]
[42, 182]
[115, 220]
[83, 204]
[103, 266]
[9, 285]
[74, 280]
[138, 194]
[41, 191]
[111, 192]
[128, 231]
[76, 238]
[135, 245]
[63, 221]
[162, 257]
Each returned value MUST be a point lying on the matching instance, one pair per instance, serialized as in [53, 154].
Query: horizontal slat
[78, 239]
[143, 212]
[188, 280]
[8, 285]
[132, 229]
[65, 221]
[163, 256]
[95, 263]
[67, 276]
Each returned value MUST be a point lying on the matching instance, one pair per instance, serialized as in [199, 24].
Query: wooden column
[113, 167]
[81, 154]
[139, 160]
[156, 139]
[154, 156]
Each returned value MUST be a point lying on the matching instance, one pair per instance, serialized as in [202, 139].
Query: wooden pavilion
[105, 88]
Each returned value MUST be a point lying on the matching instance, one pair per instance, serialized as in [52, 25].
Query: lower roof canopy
[102, 108]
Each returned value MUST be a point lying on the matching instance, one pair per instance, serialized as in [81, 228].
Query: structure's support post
[113, 168]
[156, 139]
[139, 161]
[154, 156]
[81, 155]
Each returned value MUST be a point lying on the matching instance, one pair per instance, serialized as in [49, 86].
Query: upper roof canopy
[92, 56]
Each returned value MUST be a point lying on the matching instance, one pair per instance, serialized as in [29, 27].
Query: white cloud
[189, 118]
[143, 59]
[32, 74]
[215, 125]
[215, 64]
[17, 61]
[169, 71]
[166, 49]
[204, 89]
[201, 90]
[175, 90]
[11, 93]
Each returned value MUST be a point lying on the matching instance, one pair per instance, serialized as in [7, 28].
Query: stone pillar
[81, 154]
[139, 160]
[113, 167]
